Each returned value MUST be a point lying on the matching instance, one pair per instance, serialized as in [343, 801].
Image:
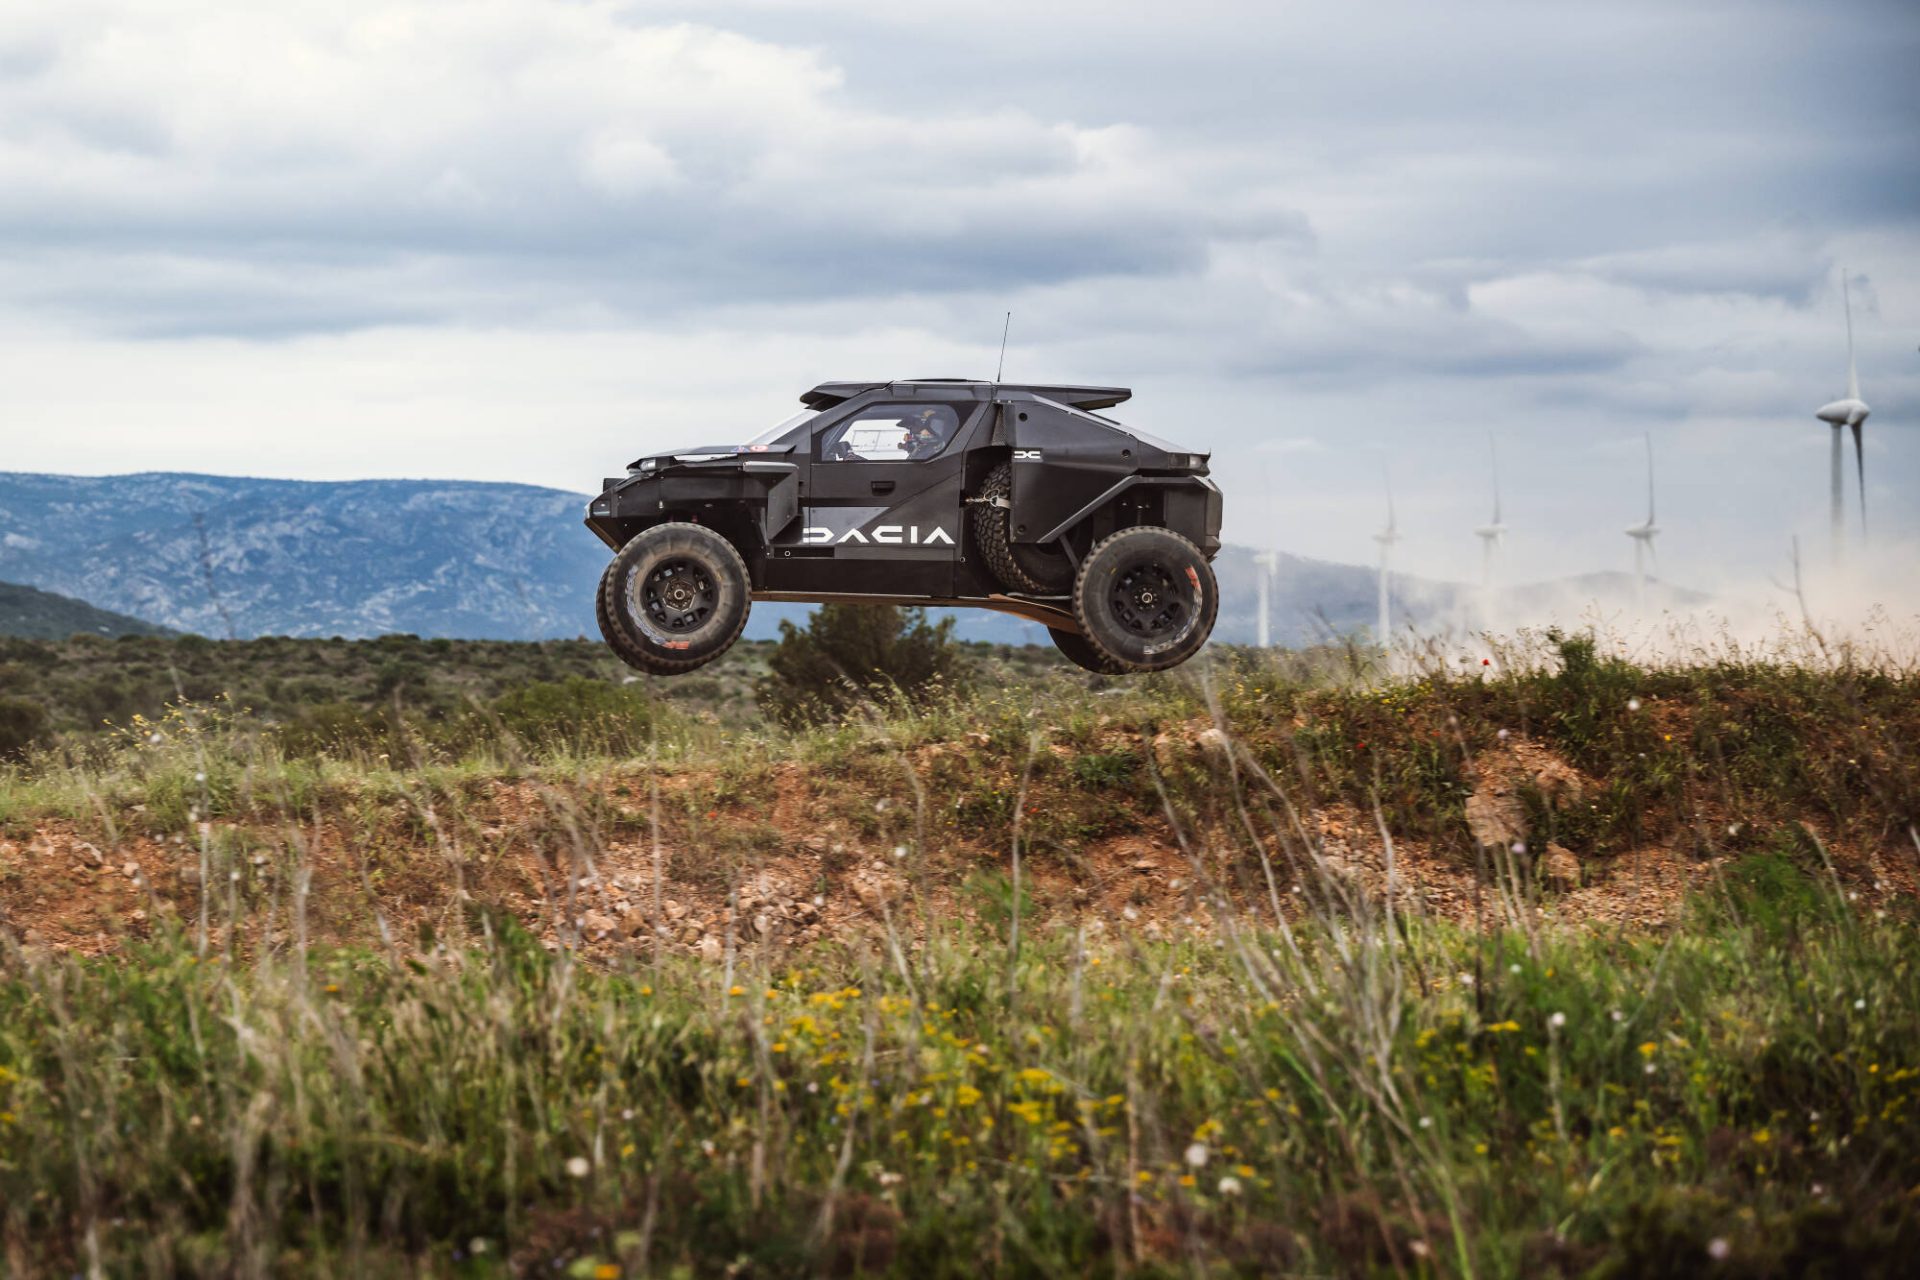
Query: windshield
[781, 428]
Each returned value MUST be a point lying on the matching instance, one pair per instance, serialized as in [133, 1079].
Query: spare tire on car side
[1145, 598]
[675, 598]
[1018, 567]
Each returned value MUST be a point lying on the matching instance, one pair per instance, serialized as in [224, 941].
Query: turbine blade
[1860, 462]
[1853, 378]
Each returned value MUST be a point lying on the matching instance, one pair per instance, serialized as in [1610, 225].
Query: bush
[586, 715]
[23, 725]
[850, 653]
[342, 730]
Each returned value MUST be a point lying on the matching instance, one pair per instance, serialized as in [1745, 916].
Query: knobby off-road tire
[1018, 567]
[1146, 599]
[1078, 650]
[675, 598]
[616, 638]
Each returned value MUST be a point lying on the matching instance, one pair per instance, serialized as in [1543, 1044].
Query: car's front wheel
[675, 598]
[1145, 599]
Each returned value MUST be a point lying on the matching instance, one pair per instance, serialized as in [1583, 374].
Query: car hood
[706, 453]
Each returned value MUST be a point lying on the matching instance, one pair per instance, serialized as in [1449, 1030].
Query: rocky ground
[615, 863]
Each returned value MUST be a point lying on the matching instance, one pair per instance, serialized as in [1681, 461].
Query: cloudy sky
[529, 239]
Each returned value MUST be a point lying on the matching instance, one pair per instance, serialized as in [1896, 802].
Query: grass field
[1254, 969]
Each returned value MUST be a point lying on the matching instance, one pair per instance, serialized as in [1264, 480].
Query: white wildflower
[1229, 1186]
[1557, 1021]
[1718, 1248]
[578, 1167]
[1197, 1154]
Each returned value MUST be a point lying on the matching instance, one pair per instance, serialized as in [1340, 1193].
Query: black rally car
[937, 491]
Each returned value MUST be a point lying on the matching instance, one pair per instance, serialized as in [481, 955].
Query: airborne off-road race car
[938, 491]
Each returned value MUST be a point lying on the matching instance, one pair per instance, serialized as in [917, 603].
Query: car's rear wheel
[1078, 650]
[1019, 567]
[675, 598]
[1146, 599]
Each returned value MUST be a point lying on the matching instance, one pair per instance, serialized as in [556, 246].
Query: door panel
[886, 525]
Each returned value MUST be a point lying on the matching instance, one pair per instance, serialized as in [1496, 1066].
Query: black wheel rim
[678, 595]
[1146, 601]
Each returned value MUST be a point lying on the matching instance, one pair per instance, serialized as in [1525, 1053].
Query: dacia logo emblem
[893, 535]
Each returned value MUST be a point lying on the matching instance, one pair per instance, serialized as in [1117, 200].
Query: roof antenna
[1003, 347]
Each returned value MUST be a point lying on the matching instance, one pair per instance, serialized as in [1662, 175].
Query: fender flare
[1115, 490]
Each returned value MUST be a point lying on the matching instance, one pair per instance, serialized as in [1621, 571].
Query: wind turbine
[1266, 562]
[1851, 412]
[1643, 534]
[1492, 533]
[1386, 538]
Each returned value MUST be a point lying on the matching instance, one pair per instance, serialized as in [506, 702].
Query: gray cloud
[558, 147]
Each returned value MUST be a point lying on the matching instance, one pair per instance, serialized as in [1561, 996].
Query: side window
[891, 433]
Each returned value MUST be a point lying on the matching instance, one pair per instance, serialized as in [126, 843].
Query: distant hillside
[223, 555]
[42, 615]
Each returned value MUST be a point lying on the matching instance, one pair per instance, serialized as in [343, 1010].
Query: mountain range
[232, 556]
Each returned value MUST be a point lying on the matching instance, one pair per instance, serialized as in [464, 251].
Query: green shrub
[1099, 770]
[342, 730]
[851, 653]
[1775, 894]
[1588, 695]
[23, 725]
[581, 714]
